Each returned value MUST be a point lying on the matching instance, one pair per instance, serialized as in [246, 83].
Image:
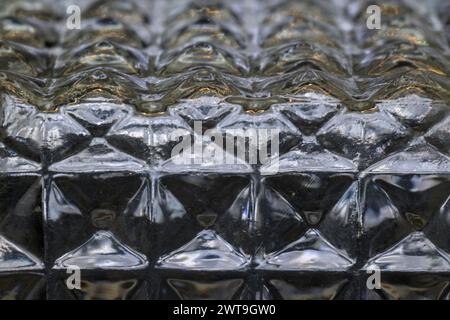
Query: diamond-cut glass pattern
[88, 179]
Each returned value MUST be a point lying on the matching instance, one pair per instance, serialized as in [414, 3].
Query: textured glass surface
[87, 176]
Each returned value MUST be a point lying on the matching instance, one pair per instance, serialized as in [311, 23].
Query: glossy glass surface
[87, 176]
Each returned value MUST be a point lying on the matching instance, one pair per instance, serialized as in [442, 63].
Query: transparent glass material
[88, 177]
